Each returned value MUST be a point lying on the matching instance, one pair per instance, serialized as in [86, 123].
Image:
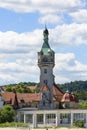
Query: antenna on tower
[45, 26]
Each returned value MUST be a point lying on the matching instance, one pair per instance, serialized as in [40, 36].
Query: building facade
[49, 118]
[54, 107]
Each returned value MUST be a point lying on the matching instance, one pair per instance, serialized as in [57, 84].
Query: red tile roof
[45, 88]
[57, 93]
[68, 97]
[18, 98]
[8, 97]
[28, 97]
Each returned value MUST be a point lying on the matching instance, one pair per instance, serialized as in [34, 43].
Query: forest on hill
[74, 86]
[77, 87]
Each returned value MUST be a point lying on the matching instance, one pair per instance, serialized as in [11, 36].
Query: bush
[13, 124]
[79, 124]
[7, 114]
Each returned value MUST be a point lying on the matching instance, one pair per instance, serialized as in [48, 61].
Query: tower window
[45, 81]
[44, 59]
[45, 71]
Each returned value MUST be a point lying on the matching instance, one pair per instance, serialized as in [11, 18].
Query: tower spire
[45, 34]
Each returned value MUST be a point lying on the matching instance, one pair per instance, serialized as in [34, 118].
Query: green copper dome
[45, 47]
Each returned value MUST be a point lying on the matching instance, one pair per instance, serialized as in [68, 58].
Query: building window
[51, 118]
[45, 59]
[65, 118]
[45, 71]
[40, 118]
[79, 116]
[45, 81]
[43, 102]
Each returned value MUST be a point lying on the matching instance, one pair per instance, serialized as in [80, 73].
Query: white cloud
[50, 11]
[80, 16]
[50, 19]
[11, 42]
[69, 69]
[72, 34]
[31, 42]
[43, 6]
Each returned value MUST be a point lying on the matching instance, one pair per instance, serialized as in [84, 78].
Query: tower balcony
[52, 64]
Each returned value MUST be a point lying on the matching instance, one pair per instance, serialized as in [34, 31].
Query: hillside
[77, 87]
[74, 86]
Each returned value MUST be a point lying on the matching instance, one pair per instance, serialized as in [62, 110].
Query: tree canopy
[6, 114]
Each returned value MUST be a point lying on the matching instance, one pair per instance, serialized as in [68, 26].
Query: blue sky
[21, 37]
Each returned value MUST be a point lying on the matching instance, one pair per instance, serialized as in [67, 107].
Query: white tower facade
[46, 62]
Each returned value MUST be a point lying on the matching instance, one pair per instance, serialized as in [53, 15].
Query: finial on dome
[46, 30]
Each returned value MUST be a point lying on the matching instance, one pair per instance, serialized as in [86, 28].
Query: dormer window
[22, 100]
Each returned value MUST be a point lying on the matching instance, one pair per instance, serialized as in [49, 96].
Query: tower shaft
[46, 64]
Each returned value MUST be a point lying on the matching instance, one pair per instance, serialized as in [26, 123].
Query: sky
[21, 36]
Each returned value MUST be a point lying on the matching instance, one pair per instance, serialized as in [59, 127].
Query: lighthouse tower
[46, 63]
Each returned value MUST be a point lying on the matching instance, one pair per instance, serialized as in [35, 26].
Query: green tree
[37, 89]
[7, 114]
[9, 88]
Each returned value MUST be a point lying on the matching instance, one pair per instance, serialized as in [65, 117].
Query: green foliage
[22, 87]
[13, 124]
[74, 86]
[7, 114]
[79, 124]
[83, 105]
[78, 87]
[9, 88]
[81, 94]
[37, 89]
[19, 88]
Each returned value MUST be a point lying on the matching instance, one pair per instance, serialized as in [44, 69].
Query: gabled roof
[28, 97]
[20, 97]
[57, 93]
[8, 97]
[45, 88]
